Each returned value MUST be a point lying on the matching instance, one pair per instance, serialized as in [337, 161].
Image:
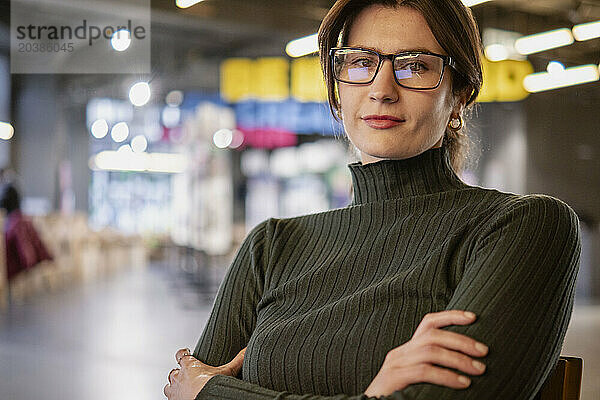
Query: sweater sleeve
[519, 278]
[233, 315]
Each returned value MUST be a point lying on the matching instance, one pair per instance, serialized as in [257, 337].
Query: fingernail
[464, 380]
[481, 347]
[469, 314]
[480, 366]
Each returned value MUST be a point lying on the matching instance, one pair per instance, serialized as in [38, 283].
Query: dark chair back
[564, 383]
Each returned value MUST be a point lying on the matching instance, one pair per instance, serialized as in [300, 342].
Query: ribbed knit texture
[320, 299]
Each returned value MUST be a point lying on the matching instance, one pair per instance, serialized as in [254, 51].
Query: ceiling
[255, 27]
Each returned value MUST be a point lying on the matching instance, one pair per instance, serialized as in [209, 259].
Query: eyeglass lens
[415, 71]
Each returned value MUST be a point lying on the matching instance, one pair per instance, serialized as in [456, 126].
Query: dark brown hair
[454, 27]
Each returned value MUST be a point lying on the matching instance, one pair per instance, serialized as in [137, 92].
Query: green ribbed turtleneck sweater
[320, 299]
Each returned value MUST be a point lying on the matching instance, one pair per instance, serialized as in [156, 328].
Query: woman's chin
[375, 153]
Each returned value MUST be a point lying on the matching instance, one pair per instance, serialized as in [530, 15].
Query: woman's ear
[460, 102]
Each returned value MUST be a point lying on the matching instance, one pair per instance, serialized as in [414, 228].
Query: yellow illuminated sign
[271, 78]
[236, 79]
[265, 78]
[503, 80]
[307, 80]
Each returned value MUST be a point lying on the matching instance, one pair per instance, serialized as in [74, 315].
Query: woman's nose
[384, 88]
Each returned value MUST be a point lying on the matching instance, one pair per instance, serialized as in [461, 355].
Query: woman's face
[425, 113]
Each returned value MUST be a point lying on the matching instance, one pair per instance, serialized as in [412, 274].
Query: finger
[448, 358]
[180, 353]
[186, 360]
[173, 375]
[167, 390]
[235, 365]
[436, 375]
[443, 318]
[454, 341]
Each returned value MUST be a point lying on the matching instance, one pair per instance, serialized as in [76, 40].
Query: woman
[368, 300]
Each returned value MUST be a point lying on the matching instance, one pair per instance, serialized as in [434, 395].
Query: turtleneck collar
[426, 173]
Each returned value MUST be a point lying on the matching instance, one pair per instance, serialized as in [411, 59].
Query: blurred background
[140, 180]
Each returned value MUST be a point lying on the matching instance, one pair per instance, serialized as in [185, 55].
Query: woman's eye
[417, 67]
[362, 62]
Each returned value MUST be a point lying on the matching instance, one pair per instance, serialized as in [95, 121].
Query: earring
[456, 123]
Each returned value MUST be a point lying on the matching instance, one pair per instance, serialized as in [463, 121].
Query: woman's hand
[187, 382]
[412, 362]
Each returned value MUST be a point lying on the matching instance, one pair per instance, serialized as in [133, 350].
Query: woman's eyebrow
[397, 50]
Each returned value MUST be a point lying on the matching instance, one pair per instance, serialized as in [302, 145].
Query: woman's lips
[382, 121]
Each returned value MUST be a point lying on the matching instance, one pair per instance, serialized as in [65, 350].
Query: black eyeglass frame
[447, 60]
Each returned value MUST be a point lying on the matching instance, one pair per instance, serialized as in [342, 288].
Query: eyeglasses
[412, 69]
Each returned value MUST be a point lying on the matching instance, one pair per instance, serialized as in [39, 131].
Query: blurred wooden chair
[564, 383]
